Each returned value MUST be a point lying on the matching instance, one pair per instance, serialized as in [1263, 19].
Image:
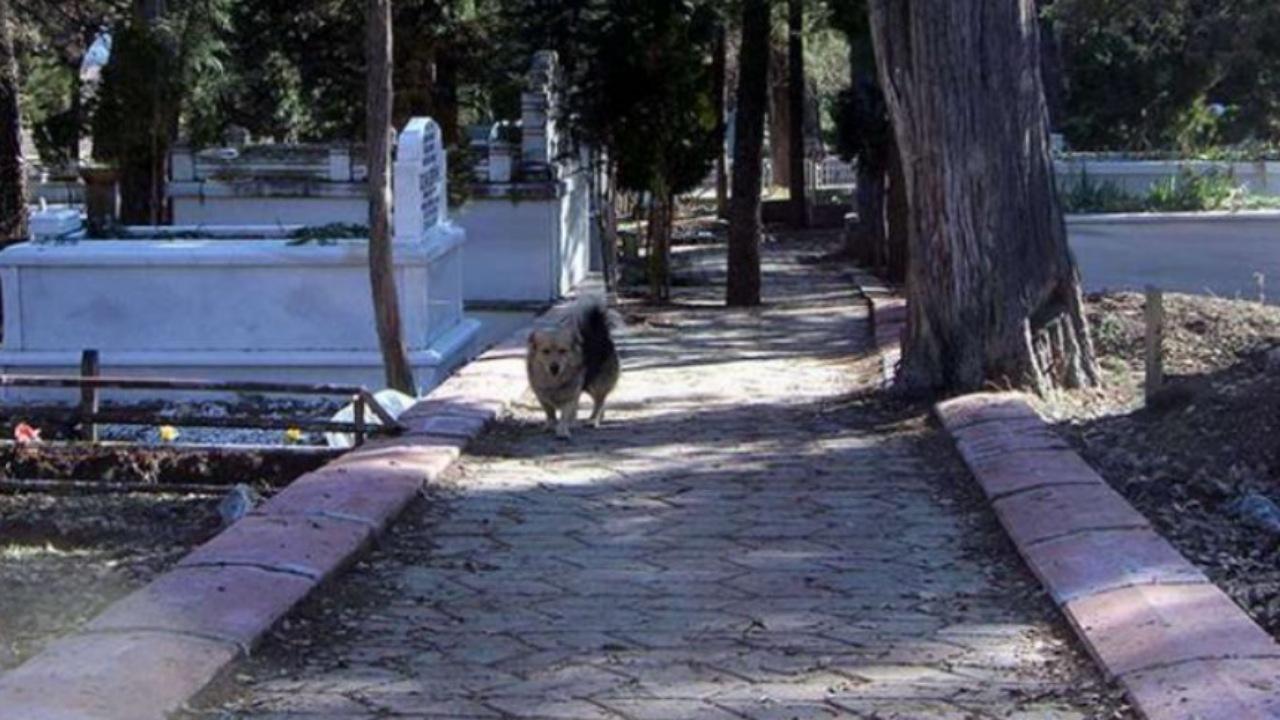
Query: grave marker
[421, 176]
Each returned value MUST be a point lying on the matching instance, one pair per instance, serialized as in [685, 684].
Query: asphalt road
[1221, 257]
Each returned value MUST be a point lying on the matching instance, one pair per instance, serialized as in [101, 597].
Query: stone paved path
[743, 539]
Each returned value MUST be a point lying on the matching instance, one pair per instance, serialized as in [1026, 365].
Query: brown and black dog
[574, 357]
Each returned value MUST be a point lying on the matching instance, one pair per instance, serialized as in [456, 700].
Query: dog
[577, 355]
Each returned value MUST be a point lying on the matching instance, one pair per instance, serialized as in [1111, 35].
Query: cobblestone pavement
[746, 537]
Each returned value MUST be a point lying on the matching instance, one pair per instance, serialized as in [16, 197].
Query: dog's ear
[533, 340]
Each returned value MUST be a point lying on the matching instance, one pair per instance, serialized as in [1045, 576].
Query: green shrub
[1089, 196]
[1190, 191]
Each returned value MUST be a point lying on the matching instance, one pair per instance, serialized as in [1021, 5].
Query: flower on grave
[168, 433]
[293, 436]
[24, 434]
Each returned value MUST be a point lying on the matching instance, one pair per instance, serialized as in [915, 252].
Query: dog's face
[555, 355]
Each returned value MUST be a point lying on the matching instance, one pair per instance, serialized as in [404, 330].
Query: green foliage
[327, 234]
[299, 66]
[1168, 74]
[157, 71]
[1188, 191]
[645, 94]
[140, 95]
[863, 131]
[1089, 196]
[1192, 191]
[47, 108]
[52, 39]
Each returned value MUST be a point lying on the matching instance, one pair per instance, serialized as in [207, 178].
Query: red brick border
[148, 654]
[1177, 644]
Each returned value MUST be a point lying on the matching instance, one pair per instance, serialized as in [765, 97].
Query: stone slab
[312, 547]
[375, 498]
[1055, 511]
[464, 426]
[232, 604]
[1151, 626]
[984, 407]
[1208, 690]
[1004, 474]
[130, 676]
[980, 442]
[1077, 566]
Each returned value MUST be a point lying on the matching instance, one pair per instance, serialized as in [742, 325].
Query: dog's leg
[550, 410]
[597, 409]
[568, 415]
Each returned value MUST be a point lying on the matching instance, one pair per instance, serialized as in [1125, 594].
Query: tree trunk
[898, 216]
[1051, 71]
[386, 304]
[869, 240]
[13, 176]
[608, 218]
[743, 287]
[796, 88]
[779, 117]
[993, 291]
[661, 215]
[720, 64]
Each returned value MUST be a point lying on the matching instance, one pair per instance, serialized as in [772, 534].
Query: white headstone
[421, 190]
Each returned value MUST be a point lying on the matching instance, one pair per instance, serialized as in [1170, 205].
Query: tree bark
[661, 207]
[780, 119]
[869, 240]
[796, 88]
[993, 291]
[743, 287]
[13, 176]
[386, 304]
[720, 65]
[897, 216]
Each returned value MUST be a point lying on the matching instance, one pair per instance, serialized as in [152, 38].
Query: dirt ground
[1204, 442]
[68, 552]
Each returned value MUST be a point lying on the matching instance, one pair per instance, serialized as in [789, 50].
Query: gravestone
[537, 104]
[421, 181]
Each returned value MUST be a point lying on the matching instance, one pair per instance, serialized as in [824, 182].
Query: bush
[1089, 196]
[1189, 191]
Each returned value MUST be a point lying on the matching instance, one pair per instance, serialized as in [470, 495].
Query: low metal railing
[89, 415]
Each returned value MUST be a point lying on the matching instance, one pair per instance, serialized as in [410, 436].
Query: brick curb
[150, 653]
[888, 320]
[1149, 618]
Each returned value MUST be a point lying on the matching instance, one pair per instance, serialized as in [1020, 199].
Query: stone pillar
[101, 199]
[537, 146]
[339, 163]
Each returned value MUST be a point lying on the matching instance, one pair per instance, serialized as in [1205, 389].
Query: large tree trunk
[898, 217]
[386, 304]
[748, 129]
[779, 116]
[993, 291]
[796, 88]
[13, 176]
[719, 67]
[868, 242]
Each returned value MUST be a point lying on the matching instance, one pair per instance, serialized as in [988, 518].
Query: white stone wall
[1137, 176]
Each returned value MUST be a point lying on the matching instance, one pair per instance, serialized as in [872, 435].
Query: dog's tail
[595, 323]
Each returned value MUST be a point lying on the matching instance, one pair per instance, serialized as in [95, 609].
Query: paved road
[1222, 257]
[745, 538]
